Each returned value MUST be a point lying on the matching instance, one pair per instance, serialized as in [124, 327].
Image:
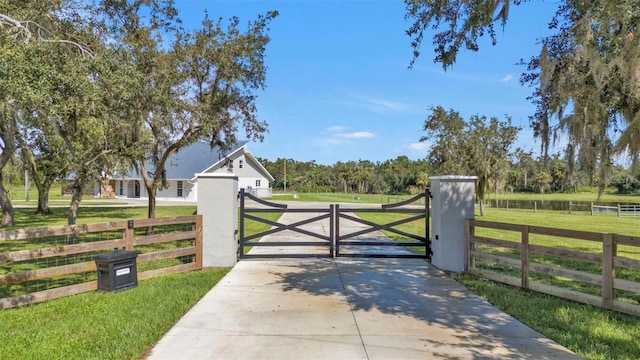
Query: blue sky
[339, 87]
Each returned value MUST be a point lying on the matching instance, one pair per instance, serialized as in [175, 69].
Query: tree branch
[20, 30]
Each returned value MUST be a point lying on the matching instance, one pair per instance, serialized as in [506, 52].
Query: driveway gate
[348, 235]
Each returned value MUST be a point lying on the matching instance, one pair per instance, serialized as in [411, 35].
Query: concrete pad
[426, 347]
[260, 347]
[287, 274]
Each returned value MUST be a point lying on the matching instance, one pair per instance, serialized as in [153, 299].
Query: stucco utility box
[453, 202]
[117, 270]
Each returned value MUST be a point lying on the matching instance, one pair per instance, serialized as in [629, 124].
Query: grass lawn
[342, 198]
[582, 197]
[601, 222]
[575, 197]
[95, 325]
[589, 331]
[26, 218]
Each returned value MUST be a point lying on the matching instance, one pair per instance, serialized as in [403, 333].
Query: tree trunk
[5, 203]
[8, 129]
[73, 207]
[481, 191]
[43, 201]
[76, 197]
[152, 207]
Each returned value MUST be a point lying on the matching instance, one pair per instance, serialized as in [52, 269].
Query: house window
[257, 183]
[180, 188]
[240, 163]
[121, 190]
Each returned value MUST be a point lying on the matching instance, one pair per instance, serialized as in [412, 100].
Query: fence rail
[61, 259]
[629, 210]
[593, 268]
[623, 210]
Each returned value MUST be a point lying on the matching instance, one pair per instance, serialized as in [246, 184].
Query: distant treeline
[403, 176]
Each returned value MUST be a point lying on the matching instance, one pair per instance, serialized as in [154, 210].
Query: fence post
[524, 257]
[608, 252]
[468, 233]
[218, 205]
[570, 207]
[452, 203]
[427, 225]
[618, 210]
[332, 233]
[198, 242]
[592, 209]
[535, 206]
[128, 236]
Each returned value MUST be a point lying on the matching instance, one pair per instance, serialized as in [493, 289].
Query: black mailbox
[117, 270]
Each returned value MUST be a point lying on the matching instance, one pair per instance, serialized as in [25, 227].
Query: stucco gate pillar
[218, 205]
[453, 202]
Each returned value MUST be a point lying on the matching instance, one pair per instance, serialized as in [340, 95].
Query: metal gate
[313, 244]
[355, 244]
[349, 235]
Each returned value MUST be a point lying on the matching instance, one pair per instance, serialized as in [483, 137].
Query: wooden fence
[593, 268]
[623, 210]
[42, 264]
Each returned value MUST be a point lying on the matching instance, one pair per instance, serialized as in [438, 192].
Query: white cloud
[383, 106]
[356, 135]
[418, 146]
[507, 78]
[379, 105]
[337, 129]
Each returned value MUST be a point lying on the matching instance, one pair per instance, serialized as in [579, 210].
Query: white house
[182, 168]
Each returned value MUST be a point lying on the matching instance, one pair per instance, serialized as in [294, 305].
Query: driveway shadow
[396, 299]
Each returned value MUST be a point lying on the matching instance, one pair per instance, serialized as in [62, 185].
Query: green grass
[252, 227]
[603, 223]
[563, 220]
[17, 288]
[120, 325]
[583, 197]
[100, 215]
[25, 218]
[575, 197]
[589, 331]
[95, 325]
[17, 196]
[342, 198]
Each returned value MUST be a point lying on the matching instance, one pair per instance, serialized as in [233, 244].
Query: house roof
[194, 159]
[248, 156]
[199, 157]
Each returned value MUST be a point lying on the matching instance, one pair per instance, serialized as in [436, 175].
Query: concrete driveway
[347, 308]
